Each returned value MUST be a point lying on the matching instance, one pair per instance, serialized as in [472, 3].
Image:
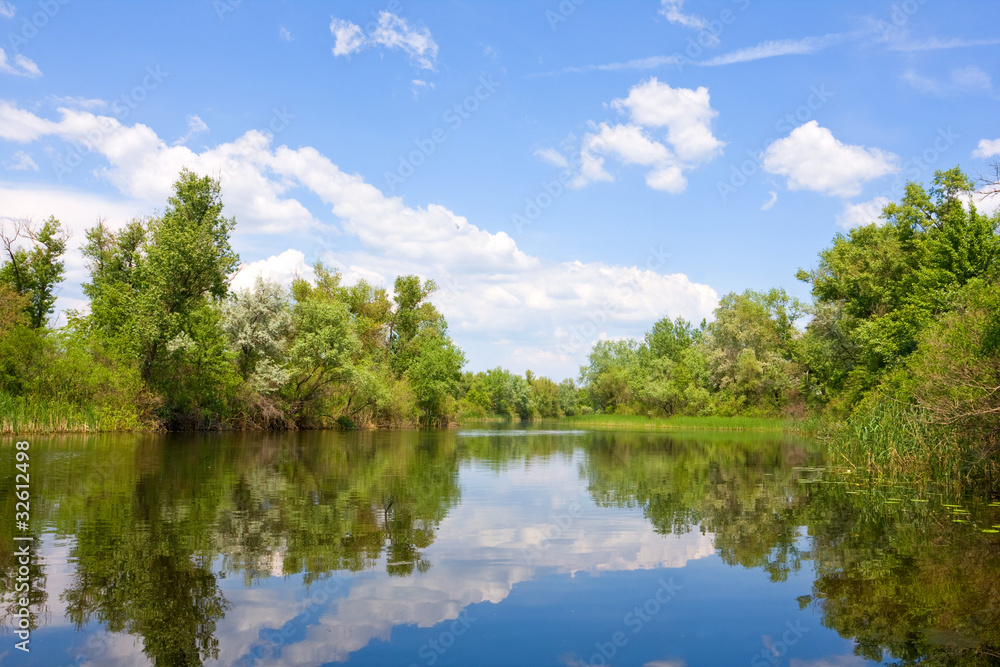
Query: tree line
[900, 344]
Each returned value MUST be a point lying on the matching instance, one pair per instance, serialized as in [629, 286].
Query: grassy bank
[682, 423]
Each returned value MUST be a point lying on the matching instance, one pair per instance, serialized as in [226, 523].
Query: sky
[565, 171]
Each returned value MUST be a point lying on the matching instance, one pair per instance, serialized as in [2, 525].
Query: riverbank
[684, 423]
[17, 417]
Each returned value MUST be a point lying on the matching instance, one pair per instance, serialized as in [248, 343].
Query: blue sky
[564, 171]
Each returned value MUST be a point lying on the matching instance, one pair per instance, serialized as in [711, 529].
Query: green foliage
[434, 376]
[34, 273]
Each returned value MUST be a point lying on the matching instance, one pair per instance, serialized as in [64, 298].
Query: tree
[751, 347]
[258, 323]
[434, 375]
[35, 272]
[894, 279]
[614, 374]
[412, 314]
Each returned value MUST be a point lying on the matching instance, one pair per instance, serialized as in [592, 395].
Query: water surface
[516, 546]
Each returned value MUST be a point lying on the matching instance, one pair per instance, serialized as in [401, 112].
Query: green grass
[19, 414]
[681, 423]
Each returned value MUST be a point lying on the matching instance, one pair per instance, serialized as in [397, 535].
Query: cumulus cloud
[391, 32]
[490, 287]
[813, 159]
[20, 66]
[987, 148]
[669, 130]
[283, 269]
[862, 213]
[348, 37]
[686, 114]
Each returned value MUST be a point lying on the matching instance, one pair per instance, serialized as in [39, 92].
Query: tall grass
[895, 440]
[19, 414]
[680, 423]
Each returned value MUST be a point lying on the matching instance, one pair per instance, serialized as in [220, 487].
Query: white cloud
[22, 65]
[71, 102]
[553, 157]
[195, 126]
[21, 162]
[491, 290]
[987, 200]
[650, 62]
[813, 159]
[285, 34]
[968, 79]
[686, 115]
[987, 148]
[672, 10]
[779, 47]
[862, 213]
[348, 37]
[391, 32]
[280, 269]
[971, 77]
[7, 10]
[935, 43]
[766, 206]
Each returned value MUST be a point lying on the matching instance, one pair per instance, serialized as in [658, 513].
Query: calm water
[485, 547]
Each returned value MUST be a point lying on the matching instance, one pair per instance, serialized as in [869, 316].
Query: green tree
[750, 350]
[434, 376]
[34, 273]
[893, 280]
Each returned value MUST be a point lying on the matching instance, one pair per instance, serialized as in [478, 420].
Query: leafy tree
[614, 374]
[411, 315]
[893, 280]
[434, 375]
[258, 324]
[750, 348]
[321, 354]
[35, 272]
